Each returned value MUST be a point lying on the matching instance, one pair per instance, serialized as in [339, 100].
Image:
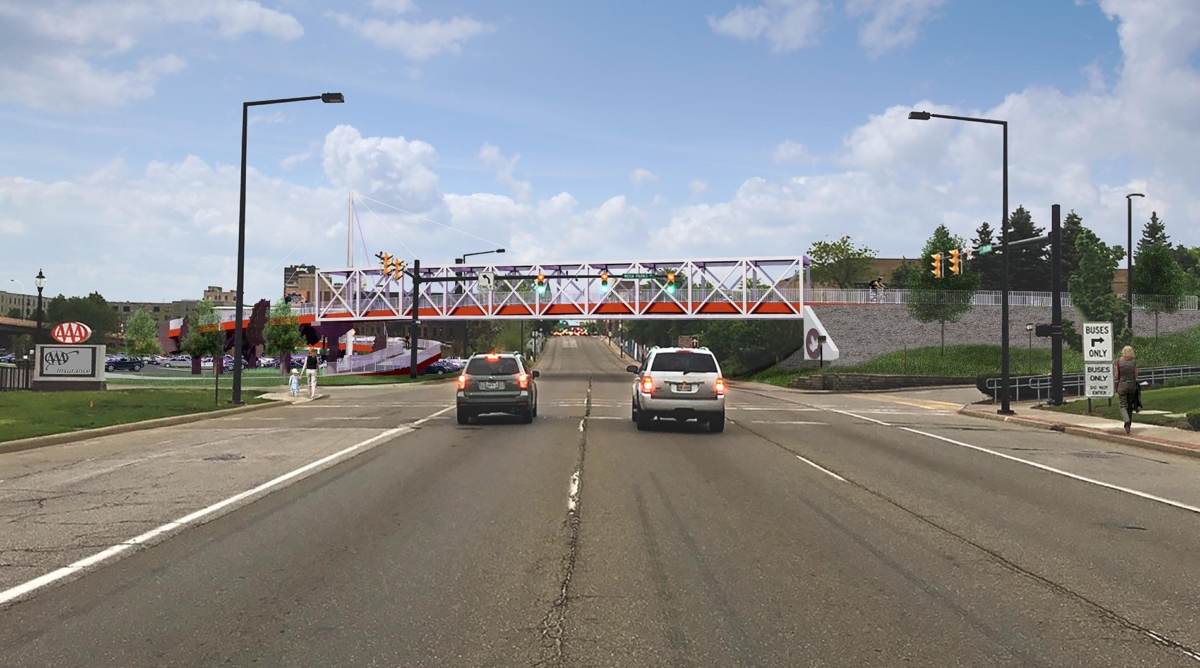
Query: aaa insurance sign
[1098, 359]
[71, 332]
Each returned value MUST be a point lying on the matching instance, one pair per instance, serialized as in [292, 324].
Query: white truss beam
[739, 288]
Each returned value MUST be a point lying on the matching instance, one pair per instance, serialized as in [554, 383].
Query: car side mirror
[536, 373]
[633, 368]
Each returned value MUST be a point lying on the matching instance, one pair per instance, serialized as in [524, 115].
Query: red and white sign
[71, 332]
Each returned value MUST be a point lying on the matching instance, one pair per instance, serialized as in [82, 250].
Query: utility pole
[1056, 331]
[415, 329]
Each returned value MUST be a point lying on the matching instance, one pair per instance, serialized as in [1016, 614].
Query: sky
[570, 131]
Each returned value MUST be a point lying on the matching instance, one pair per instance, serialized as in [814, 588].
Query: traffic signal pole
[1056, 331]
[414, 329]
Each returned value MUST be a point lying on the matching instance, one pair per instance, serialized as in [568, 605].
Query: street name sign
[1098, 359]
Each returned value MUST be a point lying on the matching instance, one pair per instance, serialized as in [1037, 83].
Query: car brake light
[647, 385]
[523, 381]
[462, 382]
[719, 387]
[492, 358]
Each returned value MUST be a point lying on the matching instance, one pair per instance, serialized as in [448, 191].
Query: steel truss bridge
[744, 288]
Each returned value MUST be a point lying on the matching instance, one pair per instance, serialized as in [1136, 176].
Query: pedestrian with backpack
[311, 364]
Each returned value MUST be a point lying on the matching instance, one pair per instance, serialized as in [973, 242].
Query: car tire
[109, 368]
[632, 412]
[535, 410]
[643, 420]
[137, 368]
[527, 416]
[464, 417]
[716, 424]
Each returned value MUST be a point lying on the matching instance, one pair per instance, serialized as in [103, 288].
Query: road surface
[818, 530]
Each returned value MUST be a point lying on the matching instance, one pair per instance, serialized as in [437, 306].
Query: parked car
[10, 358]
[178, 362]
[439, 368]
[134, 364]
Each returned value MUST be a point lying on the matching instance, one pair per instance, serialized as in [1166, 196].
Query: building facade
[220, 297]
[15, 303]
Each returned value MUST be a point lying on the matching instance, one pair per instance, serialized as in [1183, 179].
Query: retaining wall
[866, 331]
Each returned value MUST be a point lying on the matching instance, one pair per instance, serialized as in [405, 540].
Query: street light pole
[40, 282]
[1005, 384]
[1129, 260]
[458, 289]
[238, 332]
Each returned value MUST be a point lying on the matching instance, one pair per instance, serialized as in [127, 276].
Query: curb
[1145, 442]
[83, 435]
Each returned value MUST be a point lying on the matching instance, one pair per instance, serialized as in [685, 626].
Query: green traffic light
[670, 288]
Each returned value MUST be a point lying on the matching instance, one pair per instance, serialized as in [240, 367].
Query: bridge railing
[1016, 298]
[1038, 386]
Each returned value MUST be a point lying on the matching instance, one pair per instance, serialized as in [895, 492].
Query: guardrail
[1038, 386]
[980, 298]
[18, 376]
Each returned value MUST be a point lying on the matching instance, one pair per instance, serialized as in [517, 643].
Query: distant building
[159, 312]
[26, 305]
[300, 282]
[220, 297]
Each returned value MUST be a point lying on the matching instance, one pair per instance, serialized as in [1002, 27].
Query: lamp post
[1129, 260]
[1005, 408]
[241, 259]
[460, 260]
[40, 282]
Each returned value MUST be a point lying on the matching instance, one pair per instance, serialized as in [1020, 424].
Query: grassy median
[1175, 401]
[270, 380]
[29, 414]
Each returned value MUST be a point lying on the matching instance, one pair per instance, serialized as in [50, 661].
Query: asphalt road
[818, 530]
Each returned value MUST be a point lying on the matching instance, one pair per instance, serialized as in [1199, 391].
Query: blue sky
[756, 128]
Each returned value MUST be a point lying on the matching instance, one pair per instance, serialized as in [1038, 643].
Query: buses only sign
[1098, 358]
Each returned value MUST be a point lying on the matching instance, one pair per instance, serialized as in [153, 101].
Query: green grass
[29, 414]
[269, 381]
[1178, 400]
[971, 361]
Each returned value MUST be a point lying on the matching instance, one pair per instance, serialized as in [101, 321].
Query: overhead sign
[487, 281]
[71, 332]
[1097, 342]
[639, 276]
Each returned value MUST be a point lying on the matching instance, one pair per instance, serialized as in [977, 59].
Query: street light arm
[969, 119]
[259, 103]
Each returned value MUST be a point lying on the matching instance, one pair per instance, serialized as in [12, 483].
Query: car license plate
[683, 387]
[492, 385]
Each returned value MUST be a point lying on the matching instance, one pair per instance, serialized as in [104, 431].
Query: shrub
[1193, 418]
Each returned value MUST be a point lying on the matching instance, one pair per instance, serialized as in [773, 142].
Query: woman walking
[311, 364]
[1125, 370]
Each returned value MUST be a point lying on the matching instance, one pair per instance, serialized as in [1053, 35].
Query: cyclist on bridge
[877, 288]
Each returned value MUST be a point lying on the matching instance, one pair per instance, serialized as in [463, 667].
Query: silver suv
[497, 383]
[679, 383]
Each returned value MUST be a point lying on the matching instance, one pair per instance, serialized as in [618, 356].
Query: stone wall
[863, 332]
[857, 382]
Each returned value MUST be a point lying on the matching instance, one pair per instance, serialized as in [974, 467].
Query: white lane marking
[606, 417]
[820, 468]
[352, 417]
[785, 422]
[432, 416]
[861, 417]
[53, 576]
[796, 409]
[1068, 474]
[581, 424]
[573, 492]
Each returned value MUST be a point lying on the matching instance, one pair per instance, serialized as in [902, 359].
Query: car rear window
[481, 366]
[690, 362]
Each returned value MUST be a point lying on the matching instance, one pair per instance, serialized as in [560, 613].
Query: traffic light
[539, 284]
[386, 260]
[604, 281]
[670, 282]
[956, 262]
[937, 264]
[397, 269]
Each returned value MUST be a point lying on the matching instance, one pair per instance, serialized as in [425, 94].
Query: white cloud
[395, 6]
[786, 25]
[387, 167]
[891, 24]
[493, 159]
[698, 188]
[790, 152]
[11, 227]
[51, 50]
[292, 160]
[641, 176]
[416, 40]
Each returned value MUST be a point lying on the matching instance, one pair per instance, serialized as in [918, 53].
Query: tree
[840, 263]
[1072, 225]
[1028, 266]
[204, 335]
[989, 266]
[904, 274]
[22, 344]
[1153, 233]
[1158, 281]
[282, 334]
[93, 311]
[1090, 287]
[141, 334]
[945, 299]
[1188, 259]
[15, 312]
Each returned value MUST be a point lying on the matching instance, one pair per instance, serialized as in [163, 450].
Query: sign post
[1098, 359]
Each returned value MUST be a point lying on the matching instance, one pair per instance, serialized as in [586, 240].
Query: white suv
[679, 383]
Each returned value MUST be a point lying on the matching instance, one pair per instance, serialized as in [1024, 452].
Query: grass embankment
[1176, 401]
[971, 361]
[269, 379]
[29, 414]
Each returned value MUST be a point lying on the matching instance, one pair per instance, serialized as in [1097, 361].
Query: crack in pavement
[553, 627]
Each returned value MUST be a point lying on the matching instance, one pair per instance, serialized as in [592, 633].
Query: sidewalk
[1163, 439]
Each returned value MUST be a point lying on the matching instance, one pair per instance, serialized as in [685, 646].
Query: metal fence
[1038, 387]
[18, 376]
[980, 298]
